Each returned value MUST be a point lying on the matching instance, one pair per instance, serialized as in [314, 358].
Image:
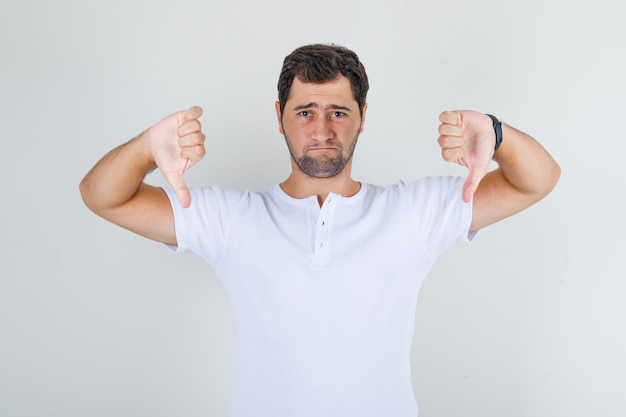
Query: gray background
[95, 321]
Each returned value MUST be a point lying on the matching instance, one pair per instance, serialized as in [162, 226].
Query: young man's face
[321, 124]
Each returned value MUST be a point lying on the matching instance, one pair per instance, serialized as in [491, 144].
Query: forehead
[337, 91]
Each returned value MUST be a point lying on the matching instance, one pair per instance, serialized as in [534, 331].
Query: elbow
[548, 182]
[553, 177]
[88, 195]
[541, 184]
[85, 194]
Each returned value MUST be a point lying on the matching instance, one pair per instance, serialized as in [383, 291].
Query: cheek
[295, 130]
[350, 131]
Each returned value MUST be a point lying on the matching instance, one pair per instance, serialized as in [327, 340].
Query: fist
[467, 138]
[177, 143]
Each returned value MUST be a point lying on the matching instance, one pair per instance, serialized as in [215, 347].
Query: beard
[323, 166]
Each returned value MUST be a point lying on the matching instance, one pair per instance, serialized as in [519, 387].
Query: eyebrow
[315, 105]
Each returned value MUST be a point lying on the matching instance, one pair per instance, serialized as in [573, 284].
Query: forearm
[525, 164]
[115, 179]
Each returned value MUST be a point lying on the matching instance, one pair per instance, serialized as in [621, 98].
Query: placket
[322, 231]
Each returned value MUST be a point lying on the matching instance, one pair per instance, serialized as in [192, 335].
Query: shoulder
[424, 187]
[213, 199]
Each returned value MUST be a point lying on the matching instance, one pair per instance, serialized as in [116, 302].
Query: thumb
[471, 183]
[180, 188]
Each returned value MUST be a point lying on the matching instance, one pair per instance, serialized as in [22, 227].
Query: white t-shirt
[324, 298]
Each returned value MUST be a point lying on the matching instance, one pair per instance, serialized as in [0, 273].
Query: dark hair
[320, 63]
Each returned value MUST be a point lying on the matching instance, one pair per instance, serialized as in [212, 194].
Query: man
[322, 271]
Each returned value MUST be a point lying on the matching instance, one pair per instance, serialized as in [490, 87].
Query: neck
[300, 185]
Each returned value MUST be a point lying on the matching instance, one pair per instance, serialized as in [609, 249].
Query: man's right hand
[115, 189]
[176, 144]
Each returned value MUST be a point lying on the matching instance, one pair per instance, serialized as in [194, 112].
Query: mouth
[320, 148]
[327, 152]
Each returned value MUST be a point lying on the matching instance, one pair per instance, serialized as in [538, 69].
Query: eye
[304, 113]
[337, 114]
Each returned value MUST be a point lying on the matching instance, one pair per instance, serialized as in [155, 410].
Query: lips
[324, 147]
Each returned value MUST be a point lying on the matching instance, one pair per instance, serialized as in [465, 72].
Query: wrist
[144, 151]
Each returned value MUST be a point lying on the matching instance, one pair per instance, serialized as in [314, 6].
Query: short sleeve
[203, 227]
[442, 217]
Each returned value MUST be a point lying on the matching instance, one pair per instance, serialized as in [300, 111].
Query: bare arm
[115, 190]
[526, 172]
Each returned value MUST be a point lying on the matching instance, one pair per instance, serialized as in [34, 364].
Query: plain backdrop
[94, 321]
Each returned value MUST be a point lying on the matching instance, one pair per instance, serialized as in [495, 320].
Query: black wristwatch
[497, 127]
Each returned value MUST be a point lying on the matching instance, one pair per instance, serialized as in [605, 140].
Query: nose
[322, 130]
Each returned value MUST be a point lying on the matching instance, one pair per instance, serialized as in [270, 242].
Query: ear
[363, 118]
[279, 118]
